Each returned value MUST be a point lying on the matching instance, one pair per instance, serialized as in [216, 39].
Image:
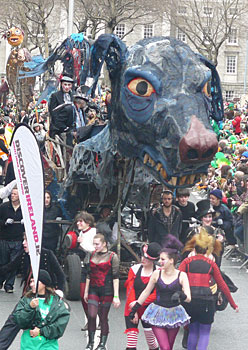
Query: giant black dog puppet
[163, 95]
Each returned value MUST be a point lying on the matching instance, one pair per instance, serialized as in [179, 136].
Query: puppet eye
[207, 89]
[18, 32]
[8, 34]
[141, 87]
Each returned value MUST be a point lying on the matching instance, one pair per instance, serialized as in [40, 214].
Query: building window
[233, 36]
[181, 35]
[229, 95]
[231, 63]
[233, 11]
[148, 31]
[182, 10]
[208, 11]
[120, 30]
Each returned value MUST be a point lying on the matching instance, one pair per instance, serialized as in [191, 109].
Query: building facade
[232, 58]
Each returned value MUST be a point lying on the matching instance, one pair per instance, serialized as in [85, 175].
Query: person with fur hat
[223, 213]
[138, 278]
[166, 314]
[200, 270]
[42, 317]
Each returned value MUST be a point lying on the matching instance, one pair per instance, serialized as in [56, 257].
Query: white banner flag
[29, 175]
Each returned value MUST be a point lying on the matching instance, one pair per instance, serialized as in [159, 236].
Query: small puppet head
[15, 36]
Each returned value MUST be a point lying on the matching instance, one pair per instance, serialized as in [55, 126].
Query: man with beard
[167, 219]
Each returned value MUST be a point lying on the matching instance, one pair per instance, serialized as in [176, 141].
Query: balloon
[223, 161]
[233, 139]
[219, 155]
[213, 164]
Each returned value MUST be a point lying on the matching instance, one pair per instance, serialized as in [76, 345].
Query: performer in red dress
[102, 289]
[138, 278]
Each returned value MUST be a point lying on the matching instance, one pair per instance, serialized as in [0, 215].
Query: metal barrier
[245, 224]
[242, 252]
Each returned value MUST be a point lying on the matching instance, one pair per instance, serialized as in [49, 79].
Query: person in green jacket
[43, 318]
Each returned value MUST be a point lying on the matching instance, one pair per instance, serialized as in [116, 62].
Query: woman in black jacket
[51, 231]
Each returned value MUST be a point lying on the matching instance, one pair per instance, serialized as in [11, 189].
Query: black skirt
[201, 311]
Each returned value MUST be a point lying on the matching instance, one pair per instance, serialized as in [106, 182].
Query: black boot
[102, 343]
[90, 345]
[185, 338]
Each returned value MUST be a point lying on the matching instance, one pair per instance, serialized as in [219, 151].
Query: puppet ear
[108, 48]
[217, 101]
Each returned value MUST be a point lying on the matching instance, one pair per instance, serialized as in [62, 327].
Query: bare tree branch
[206, 24]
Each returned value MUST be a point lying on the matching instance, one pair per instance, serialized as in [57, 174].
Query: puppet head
[15, 36]
[161, 106]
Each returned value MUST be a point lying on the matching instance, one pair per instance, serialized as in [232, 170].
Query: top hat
[203, 208]
[81, 93]
[67, 79]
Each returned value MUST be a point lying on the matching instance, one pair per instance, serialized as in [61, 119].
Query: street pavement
[229, 331]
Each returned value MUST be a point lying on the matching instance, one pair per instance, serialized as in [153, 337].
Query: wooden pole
[36, 111]
[119, 213]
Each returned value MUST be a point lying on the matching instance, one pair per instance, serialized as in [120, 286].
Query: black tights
[100, 308]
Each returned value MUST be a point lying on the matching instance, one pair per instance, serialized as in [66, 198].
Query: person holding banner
[11, 236]
[48, 262]
[43, 318]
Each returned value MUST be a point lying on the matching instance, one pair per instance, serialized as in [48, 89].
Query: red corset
[98, 272]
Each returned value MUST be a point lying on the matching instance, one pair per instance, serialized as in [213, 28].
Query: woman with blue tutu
[166, 315]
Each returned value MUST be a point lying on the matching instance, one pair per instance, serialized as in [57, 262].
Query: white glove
[59, 218]
[9, 221]
[59, 293]
[22, 221]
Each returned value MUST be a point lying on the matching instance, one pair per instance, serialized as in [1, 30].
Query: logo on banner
[25, 191]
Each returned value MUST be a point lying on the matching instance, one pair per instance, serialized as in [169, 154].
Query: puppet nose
[199, 145]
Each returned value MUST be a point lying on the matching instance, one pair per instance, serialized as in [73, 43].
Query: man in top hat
[224, 213]
[60, 107]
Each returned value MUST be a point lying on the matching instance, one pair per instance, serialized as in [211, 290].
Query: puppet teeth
[163, 173]
[146, 157]
[191, 179]
[182, 180]
[159, 166]
[188, 180]
[152, 162]
[174, 181]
